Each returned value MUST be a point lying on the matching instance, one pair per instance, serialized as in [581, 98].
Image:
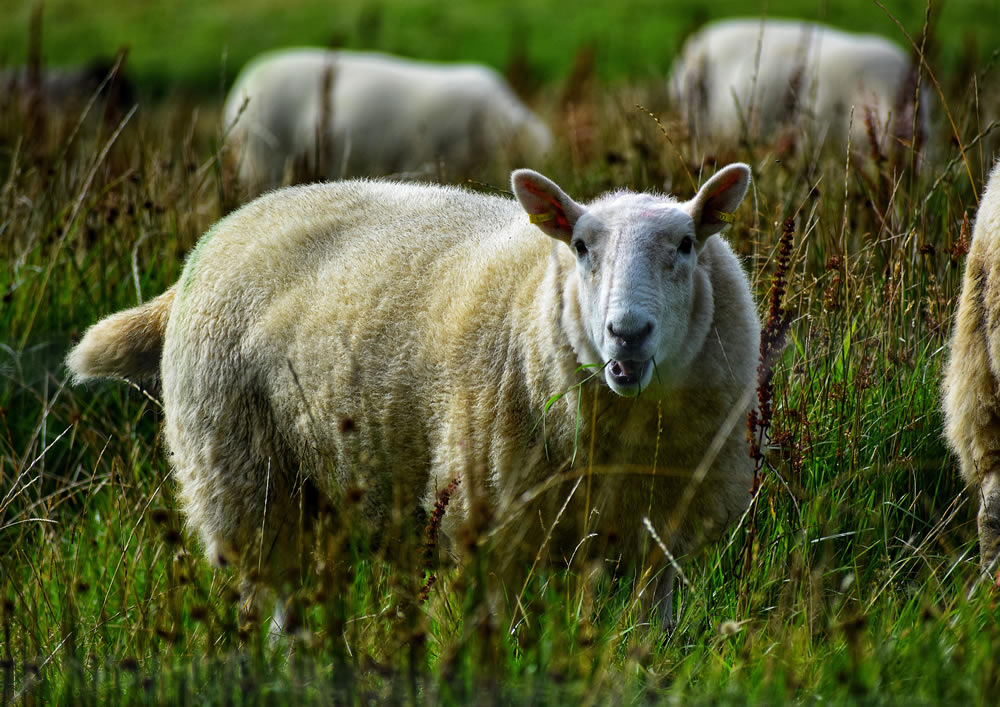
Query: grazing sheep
[381, 340]
[972, 380]
[342, 113]
[751, 78]
[69, 88]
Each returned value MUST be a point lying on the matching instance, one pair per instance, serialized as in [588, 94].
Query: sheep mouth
[628, 374]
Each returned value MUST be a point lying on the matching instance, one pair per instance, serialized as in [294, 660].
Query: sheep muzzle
[628, 373]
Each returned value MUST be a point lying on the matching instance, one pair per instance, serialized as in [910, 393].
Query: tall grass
[854, 577]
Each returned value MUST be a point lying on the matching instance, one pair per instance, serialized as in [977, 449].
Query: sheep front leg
[665, 599]
[658, 599]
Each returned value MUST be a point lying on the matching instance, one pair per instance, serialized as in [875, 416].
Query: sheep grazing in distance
[344, 113]
[70, 87]
[777, 80]
[567, 370]
[971, 398]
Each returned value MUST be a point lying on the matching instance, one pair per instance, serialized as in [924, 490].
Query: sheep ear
[714, 206]
[548, 206]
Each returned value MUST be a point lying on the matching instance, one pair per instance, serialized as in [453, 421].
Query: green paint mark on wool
[194, 256]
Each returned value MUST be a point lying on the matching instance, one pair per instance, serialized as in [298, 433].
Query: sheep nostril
[631, 338]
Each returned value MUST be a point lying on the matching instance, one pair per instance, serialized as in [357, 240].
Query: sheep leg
[278, 619]
[252, 595]
[249, 603]
[989, 520]
[661, 599]
[980, 466]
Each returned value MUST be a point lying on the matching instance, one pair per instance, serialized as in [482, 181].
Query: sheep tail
[125, 345]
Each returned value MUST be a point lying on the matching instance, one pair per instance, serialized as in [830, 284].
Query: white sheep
[385, 339]
[972, 379]
[344, 113]
[752, 77]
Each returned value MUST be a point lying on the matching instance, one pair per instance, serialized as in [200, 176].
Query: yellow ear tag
[724, 216]
[540, 218]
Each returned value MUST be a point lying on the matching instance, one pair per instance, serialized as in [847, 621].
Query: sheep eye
[580, 248]
[685, 246]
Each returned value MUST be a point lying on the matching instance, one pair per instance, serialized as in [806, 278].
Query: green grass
[852, 580]
[190, 44]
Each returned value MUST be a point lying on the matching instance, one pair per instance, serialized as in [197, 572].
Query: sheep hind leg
[252, 598]
[268, 538]
[283, 553]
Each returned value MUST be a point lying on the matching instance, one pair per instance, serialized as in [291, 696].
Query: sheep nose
[629, 337]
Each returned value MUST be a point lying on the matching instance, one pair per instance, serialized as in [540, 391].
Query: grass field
[854, 577]
[189, 44]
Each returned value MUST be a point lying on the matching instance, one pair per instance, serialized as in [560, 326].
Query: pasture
[854, 576]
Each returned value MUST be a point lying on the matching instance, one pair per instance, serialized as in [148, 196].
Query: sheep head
[644, 302]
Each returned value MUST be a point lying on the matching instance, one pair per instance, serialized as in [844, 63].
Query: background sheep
[385, 339]
[69, 88]
[751, 77]
[342, 113]
[971, 399]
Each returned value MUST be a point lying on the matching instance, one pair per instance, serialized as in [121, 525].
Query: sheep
[387, 341]
[752, 77]
[69, 87]
[345, 113]
[970, 398]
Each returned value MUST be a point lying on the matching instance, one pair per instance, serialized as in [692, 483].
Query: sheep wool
[342, 113]
[572, 372]
[971, 398]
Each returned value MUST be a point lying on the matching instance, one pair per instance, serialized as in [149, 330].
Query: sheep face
[637, 270]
